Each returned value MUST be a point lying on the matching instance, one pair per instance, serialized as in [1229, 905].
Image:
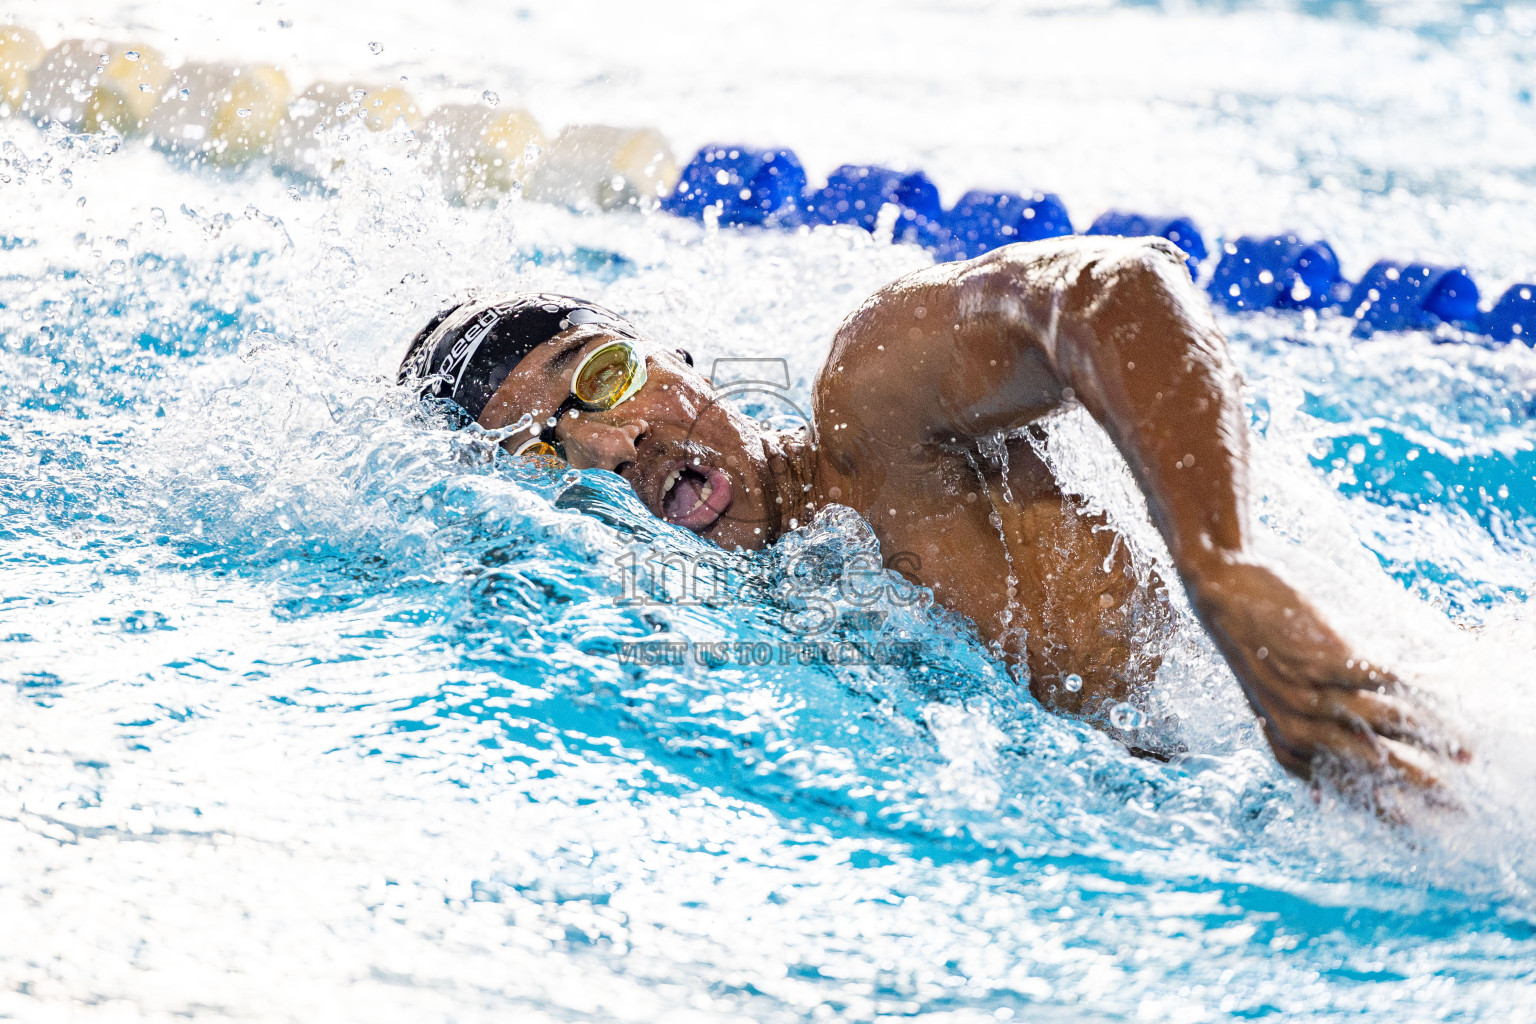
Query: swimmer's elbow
[1093, 277]
[1132, 316]
[1140, 286]
[1151, 269]
[1162, 255]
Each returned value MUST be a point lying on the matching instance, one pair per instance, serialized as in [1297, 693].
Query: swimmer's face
[692, 460]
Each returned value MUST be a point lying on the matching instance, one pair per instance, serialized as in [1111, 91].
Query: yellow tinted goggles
[606, 377]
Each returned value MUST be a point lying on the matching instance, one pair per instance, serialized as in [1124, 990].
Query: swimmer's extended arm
[966, 350]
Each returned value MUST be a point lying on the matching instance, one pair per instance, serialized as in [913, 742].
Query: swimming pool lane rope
[230, 114]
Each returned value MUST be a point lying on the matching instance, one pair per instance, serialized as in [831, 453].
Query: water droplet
[1124, 717]
[131, 54]
[244, 112]
[1073, 682]
[146, 87]
[491, 99]
[376, 48]
[571, 477]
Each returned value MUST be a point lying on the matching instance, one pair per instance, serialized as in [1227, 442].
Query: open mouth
[694, 497]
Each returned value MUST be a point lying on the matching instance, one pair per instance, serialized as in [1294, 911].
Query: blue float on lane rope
[921, 220]
[853, 194]
[750, 186]
[1278, 272]
[1413, 296]
[767, 187]
[1181, 231]
[1513, 317]
[983, 221]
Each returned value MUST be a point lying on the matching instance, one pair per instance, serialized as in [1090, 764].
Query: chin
[734, 535]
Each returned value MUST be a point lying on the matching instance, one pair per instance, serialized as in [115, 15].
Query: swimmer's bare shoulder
[929, 368]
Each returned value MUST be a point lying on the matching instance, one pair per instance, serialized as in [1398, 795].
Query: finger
[1291, 733]
[1388, 714]
[1300, 741]
[1331, 665]
[1372, 761]
[1410, 785]
[1390, 804]
[1395, 718]
[1374, 736]
[1288, 699]
[1366, 769]
[1289, 758]
[1361, 674]
[1357, 750]
[1384, 714]
[1372, 771]
[1413, 765]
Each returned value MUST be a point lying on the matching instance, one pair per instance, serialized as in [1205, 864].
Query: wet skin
[920, 386]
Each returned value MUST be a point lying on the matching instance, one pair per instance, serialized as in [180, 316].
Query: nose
[593, 443]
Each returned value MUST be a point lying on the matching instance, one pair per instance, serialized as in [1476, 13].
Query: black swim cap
[466, 352]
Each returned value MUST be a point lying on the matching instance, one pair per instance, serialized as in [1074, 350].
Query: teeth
[671, 482]
[704, 496]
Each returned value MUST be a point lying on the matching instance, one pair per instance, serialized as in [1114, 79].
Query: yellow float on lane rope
[592, 165]
[324, 109]
[20, 51]
[384, 105]
[90, 85]
[228, 113]
[481, 150]
[223, 112]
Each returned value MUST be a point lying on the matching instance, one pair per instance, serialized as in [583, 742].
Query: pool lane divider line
[230, 114]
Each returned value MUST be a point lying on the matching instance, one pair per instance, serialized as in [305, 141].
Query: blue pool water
[311, 713]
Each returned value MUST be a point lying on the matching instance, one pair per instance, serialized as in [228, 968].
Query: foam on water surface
[312, 713]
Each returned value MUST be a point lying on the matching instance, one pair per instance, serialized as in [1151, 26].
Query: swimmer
[924, 384]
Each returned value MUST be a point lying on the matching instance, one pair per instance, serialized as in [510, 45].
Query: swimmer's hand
[1326, 713]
